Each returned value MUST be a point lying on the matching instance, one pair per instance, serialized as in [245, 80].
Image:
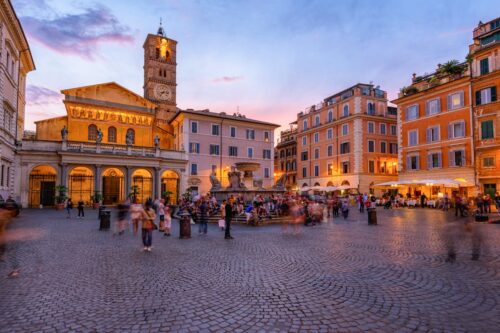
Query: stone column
[64, 174]
[97, 178]
[128, 180]
[156, 183]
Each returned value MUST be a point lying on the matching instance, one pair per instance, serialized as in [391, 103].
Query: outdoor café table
[411, 203]
[431, 203]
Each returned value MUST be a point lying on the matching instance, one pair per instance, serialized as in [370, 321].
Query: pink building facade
[214, 142]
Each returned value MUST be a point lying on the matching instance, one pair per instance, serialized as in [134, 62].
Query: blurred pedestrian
[81, 213]
[168, 220]
[228, 215]
[345, 209]
[203, 217]
[222, 220]
[69, 207]
[121, 221]
[161, 213]
[147, 217]
[135, 215]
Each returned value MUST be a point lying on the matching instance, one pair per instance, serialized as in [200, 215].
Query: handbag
[153, 224]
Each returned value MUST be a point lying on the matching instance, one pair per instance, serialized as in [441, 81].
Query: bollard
[372, 216]
[185, 225]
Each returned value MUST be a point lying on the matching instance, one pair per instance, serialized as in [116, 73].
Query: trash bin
[372, 216]
[101, 210]
[105, 219]
[184, 225]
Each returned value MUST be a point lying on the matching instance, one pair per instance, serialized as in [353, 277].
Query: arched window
[131, 134]
[157, 54]
[330, 116]
[160, 72]
[316, 121]
[112, 134]
[92, 132]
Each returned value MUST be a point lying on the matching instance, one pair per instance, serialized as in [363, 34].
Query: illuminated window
[112, 134]
[92, 132]
[456, 100]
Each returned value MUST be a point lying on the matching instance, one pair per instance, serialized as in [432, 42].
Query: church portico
[89, 171]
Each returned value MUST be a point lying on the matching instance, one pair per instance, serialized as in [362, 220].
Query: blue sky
[270, 59]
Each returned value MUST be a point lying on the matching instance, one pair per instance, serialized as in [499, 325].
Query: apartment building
[434, 115]
[485, 83]
[15, 63]
[349, 139]
[285, 158]
[214, 142]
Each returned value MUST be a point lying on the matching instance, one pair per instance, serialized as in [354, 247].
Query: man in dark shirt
[229, 213]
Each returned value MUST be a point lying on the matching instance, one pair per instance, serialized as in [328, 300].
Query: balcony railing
[102, 149]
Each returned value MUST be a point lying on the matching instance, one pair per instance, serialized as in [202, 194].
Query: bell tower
[160, 78]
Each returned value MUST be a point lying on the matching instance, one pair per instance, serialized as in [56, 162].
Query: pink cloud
[227, 79]
[37, 96]
[77, 34]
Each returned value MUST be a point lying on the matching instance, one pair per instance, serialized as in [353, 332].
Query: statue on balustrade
[99, 136]
[129, 139]
[64, 133]
[216, 185]
[157, 140]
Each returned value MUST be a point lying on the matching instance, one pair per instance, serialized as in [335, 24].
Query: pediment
[111, 93]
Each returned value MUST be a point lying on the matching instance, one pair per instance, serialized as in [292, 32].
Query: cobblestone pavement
[340, 276]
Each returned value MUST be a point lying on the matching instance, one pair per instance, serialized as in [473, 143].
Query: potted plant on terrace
[96, 199]
[61, 196]
[452, 68]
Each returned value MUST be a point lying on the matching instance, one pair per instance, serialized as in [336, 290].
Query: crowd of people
[300, 209]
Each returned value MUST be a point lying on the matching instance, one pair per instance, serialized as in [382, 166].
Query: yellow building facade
[112, 143]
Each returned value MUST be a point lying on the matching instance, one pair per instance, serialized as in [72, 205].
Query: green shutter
[493, 94]
[478, 97]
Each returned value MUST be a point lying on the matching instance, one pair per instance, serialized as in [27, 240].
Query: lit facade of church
[112, 142]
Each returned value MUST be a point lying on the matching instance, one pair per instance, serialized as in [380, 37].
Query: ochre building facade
[348, 139]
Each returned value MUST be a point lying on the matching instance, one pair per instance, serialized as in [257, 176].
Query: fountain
[242, 182]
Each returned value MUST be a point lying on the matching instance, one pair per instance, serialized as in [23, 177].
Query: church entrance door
[112, 186]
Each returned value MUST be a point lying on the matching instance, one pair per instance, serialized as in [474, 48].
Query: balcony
[102, 149]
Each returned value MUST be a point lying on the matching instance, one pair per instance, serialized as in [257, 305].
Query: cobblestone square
[340, 276]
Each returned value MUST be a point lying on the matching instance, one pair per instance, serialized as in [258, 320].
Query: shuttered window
[484, 66]
[487, 129]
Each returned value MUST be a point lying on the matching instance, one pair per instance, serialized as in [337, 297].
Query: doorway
[112, 186]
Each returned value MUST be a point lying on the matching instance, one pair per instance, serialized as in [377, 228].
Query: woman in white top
[161, 213]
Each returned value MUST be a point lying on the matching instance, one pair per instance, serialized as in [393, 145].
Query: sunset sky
[270, 59]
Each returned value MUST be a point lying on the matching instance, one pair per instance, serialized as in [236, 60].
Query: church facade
[112, 142]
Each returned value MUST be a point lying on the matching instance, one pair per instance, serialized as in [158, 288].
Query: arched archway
[42, 186]
[81, 184]
[112, 186]
[304, 185]
[345, 183]
[170, 186]
[316, 184]
[142, 185]
[329, 183]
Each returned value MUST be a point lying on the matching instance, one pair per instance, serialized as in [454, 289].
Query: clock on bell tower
[160, 81]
